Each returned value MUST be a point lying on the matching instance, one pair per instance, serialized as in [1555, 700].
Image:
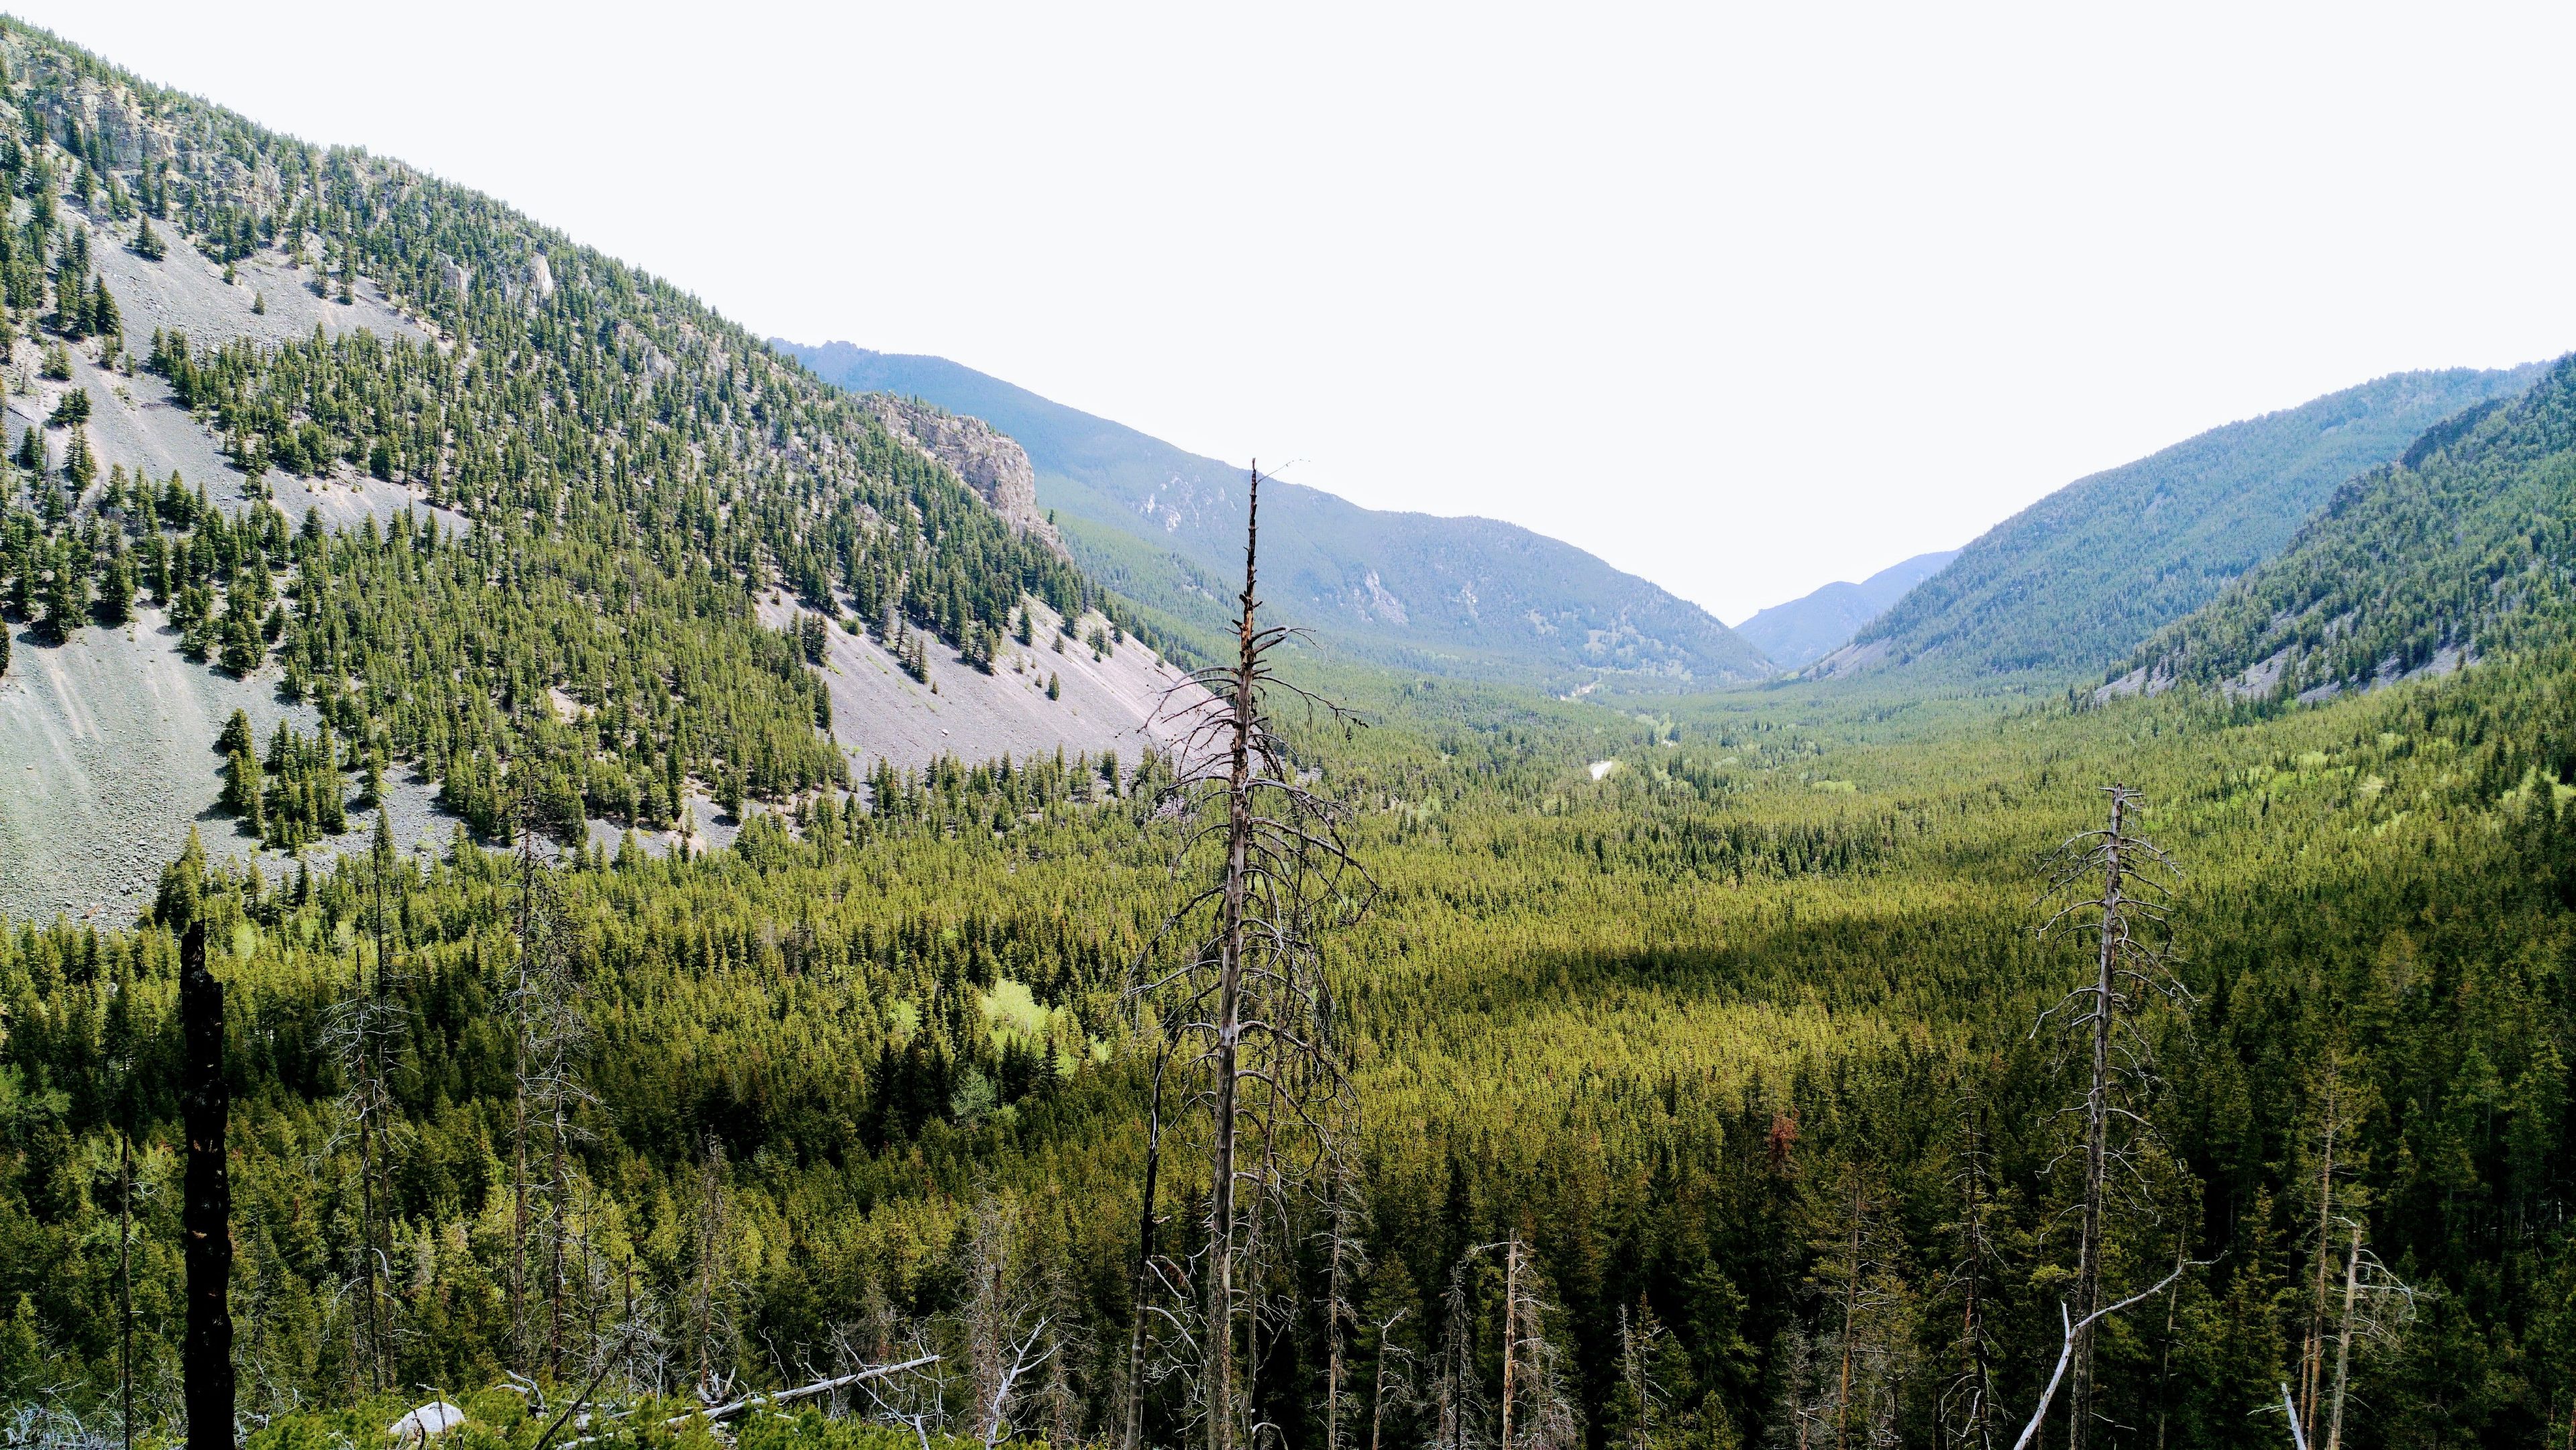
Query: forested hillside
[504, 537]
[1456, 596]
[2081, 578]
[2460, 548]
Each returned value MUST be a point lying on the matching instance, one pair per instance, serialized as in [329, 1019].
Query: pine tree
[66, 598]
[80, 465]
[245, 791]
[236, 734]
[105, 320]
[116, 590]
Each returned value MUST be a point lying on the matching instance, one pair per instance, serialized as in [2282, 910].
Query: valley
[733, 869]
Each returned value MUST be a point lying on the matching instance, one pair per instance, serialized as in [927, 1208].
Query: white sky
[1743, 298]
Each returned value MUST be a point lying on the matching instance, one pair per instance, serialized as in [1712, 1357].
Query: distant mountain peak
[1808, 628]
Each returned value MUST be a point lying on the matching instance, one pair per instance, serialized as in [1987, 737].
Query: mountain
[2460, 548]
[1473, 596]
[463, 517]
[2079, 579]
[1807, 628]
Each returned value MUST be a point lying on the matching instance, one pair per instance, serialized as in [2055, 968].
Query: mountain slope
[440, 497]
[1807, 628]
[2077, 580]
[1471, 595]
[2465, 545]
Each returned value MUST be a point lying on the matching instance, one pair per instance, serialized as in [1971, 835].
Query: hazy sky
[1742, 298]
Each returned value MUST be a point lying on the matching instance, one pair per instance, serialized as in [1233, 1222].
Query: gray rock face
[986, 459]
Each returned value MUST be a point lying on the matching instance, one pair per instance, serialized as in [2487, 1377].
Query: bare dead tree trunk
[1377, 1395]
[1978, 1365]
[1144, 1285]
[1632, 1375]
[206, 1231]
[556, 1177]
[2066, 1352]
[2128, 970]
[1511, 1332]
[1851, 1314]
[2097, 1134]
[371, 1035]
[1253, 997]
[710, 1250]
[2164, 1367]
[519, 1104]
[1337, 1307]
[547, 1032]
[1218, 1375]
[2343, 1345]
[2312, 1350]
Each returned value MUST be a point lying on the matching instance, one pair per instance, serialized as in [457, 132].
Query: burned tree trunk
[1250, 996]
[2312, 1350]
[2126, 918]
[2097, 1128]
[206, 1360]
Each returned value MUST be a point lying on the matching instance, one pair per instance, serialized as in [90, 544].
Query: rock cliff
[984, 457]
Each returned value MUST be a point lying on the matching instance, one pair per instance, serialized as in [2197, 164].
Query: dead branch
[2066, 1348]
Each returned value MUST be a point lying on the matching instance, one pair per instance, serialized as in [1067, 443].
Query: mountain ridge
[2076, 581]
[2459, 548]
[1447, 594]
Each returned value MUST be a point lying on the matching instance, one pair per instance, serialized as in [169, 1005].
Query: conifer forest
[2168, 1051]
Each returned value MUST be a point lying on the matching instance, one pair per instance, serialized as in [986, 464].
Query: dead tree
[1066, 1345]
[1849, 1367]
[1511, 1334]
[548, 1033]
[364, 1033]
[1007, 1341]
[1803, 1401]
[713, 1282]
[2332, 1110]
[1637, 1375]
[2074, 1329]
[2126, 917]
[1458, 1395]
[1252, 1008]
[1858, 1222]
[1346, 1258]
[1147, 1220]
[206, 1228]
[2164, 1361]
[1968, 1406]
[1388, 1354]
[1538, 1412]
[2377, 1307]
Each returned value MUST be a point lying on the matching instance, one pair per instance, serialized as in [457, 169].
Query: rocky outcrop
[986, 459]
